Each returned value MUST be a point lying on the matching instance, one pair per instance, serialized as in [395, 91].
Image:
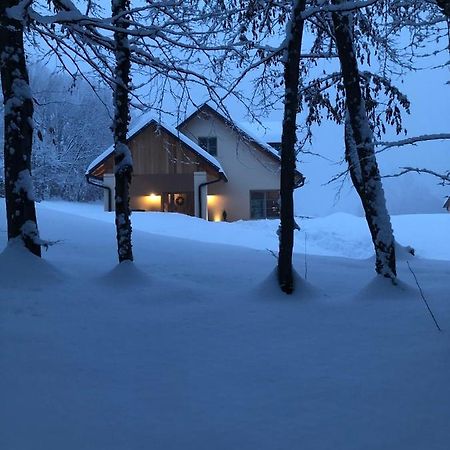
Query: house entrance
[180, 202]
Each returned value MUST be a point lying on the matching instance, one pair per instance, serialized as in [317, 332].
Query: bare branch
[413, 140]
[443, 177]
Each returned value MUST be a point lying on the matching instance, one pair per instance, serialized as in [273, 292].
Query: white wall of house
[200, 210]
[109, 181]
[247, 168]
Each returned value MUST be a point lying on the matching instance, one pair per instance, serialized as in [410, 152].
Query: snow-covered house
[206, 167]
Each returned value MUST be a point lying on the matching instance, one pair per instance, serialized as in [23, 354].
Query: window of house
[264, 204]
[209, 144]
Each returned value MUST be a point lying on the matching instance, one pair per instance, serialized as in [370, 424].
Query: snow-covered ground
[339, 234]
[194, 347]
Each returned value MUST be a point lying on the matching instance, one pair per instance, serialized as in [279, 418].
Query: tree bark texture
[18, 137]
[351, 156]
[288, 141]
[122, 155]
[359, 135]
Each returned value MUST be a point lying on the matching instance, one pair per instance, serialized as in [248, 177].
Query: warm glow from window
[212, 199]
[153, 202]
[215, 205]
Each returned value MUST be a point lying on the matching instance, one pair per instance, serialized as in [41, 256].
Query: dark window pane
[257, 195]
[272, 208]
[257, 209]
[209, 144]
[273, 195]
[272, 204]
[203, 142]
[212, 146]
[257, 205]
[264, 204]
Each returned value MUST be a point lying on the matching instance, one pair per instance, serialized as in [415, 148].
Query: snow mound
[125, 274]
[20, 268]
[304, 290]
[404, 252]
[381, 288]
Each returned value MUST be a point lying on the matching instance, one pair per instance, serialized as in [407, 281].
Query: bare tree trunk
[351, 156]
[354, 167]
[288, 140]
[122, 155]
[18, 110]
[359, 135]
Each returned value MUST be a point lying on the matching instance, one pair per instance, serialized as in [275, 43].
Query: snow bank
[339, 234]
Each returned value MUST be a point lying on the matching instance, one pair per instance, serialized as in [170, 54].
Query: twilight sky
[430, 99]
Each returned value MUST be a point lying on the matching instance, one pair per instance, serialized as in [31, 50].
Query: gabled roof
[263, 146]
[144, 121]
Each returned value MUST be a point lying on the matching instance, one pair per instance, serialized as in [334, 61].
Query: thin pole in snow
[306, 264]
[423, 297]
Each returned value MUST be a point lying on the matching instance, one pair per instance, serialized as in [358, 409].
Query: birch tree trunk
[122, 155]
[351, 156]
[359, 135]
[18, 110]
[294, 35]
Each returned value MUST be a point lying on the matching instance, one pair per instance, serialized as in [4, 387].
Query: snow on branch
[412, 141]
[443, 177]
[342, 7]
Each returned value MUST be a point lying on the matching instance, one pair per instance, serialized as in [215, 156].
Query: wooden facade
[163, 171]
[157, 152]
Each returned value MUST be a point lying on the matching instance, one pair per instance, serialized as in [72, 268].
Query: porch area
[177, 193]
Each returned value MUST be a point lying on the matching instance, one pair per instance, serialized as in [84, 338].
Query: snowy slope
[193, 347]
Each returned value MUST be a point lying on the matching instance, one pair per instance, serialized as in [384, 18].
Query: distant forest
[72, 125]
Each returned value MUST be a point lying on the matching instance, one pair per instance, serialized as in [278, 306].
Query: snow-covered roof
[267, 131]
[142, 122]
[254, 137]
[100, 158]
